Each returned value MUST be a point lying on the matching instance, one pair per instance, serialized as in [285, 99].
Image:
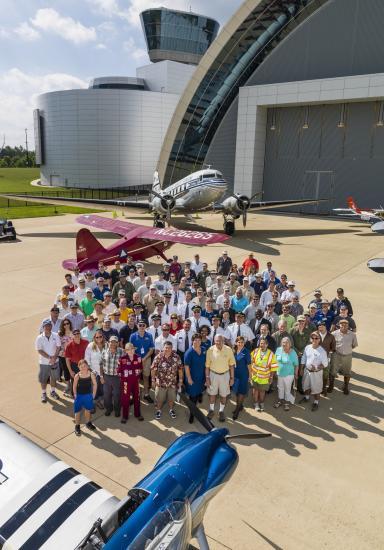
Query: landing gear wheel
[229, 227]
[157, 222]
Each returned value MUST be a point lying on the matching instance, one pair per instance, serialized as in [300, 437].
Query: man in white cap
[317, 300]
[48, 346]
[287, 295]
[224, 264]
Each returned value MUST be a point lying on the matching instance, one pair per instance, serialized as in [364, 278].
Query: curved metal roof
[252, 33]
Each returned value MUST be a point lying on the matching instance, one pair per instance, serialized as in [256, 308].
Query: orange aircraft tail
[351, 204]
[87, 246]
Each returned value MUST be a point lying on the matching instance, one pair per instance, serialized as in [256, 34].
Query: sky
[62, 44]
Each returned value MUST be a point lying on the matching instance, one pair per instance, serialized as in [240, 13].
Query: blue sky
[61, 44]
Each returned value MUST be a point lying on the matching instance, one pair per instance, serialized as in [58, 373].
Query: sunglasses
[315, 338]
[98, 337]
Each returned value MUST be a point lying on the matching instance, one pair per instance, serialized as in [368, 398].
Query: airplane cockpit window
[102, 531]
[170, 529]
[209, 175]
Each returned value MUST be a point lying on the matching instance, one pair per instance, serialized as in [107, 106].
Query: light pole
[26, 145]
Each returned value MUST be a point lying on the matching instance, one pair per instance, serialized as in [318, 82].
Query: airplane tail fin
[351, 204]
[87, 245]
[156, 186]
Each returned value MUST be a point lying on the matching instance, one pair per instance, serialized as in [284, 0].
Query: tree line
[16, 157]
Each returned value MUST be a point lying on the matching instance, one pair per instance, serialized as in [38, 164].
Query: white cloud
[49, 20]
[18, 93]
[111, 8]
[4, 33]
[27, 33]
[136, 53]
[101, 46]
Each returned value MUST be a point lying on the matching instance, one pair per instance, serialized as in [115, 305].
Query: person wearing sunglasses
[313, 361]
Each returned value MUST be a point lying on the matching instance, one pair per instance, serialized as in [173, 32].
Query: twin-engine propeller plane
[47, 505]
[138, 241]
[203, 190]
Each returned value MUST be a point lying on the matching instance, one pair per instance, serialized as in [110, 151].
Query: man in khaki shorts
[167, 375]
[346, 341]
[219, 372]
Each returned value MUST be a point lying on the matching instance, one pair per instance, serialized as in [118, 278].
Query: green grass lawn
[18, 212]
[17, 180]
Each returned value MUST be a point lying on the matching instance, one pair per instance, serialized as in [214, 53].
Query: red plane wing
[119, 227]
[169, 234]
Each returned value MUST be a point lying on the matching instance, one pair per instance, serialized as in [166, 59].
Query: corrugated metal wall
[343, 38]
[325, 160]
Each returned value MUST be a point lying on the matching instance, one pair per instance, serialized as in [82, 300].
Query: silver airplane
[200, 191]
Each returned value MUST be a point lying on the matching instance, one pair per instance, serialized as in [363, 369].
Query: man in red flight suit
[130, 369]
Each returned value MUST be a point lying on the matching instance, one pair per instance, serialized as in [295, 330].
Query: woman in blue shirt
[194, 366]
[240, 386]
[288, 365]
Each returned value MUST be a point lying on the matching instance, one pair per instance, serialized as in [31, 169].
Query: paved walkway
[317, 482]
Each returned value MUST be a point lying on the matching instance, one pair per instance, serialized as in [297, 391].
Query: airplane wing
[169, 234]
[120, 227]
[44, 503]
[172, 234]
[267, 205]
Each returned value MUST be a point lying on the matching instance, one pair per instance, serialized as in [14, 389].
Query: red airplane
[138, 241]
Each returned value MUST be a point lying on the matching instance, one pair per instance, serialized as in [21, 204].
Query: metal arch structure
[253, 32]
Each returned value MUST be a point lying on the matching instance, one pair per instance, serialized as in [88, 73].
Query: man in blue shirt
[239, 302]
[144, 347]
[325, 314]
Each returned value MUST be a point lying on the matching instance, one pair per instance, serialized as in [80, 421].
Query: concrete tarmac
[317, 482]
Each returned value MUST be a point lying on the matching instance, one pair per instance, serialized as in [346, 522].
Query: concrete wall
[103, 138]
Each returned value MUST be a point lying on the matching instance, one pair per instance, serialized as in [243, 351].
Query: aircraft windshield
[209, 176]
[170, 529]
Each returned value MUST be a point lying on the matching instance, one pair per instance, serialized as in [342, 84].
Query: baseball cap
[76, 331]
[89, 290]
[55, 308]
[47, 322]
[81, 280]
[258, 275]
[108, 293]
[137, 306]
[324, 302]
[301, 317]
[99, 303]
[113, 338]
[121, 274]
[152, 287]
[225, 251]
[312, 306]
[196, 308]
[321, 322]
[74, 304]
[246, 279]
[106, 319]
[291, 283]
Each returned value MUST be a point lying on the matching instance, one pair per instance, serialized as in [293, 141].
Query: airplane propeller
[247, 436]
[243, 204]
[204, 421]
[167, 202]
[209, 426]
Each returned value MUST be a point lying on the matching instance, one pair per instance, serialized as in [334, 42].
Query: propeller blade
[247, 436]
[204, 421]
[244, 218]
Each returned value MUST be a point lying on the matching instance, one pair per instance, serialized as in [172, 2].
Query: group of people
[191, 329]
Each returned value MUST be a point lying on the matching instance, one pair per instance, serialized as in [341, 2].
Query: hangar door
[318, 184]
